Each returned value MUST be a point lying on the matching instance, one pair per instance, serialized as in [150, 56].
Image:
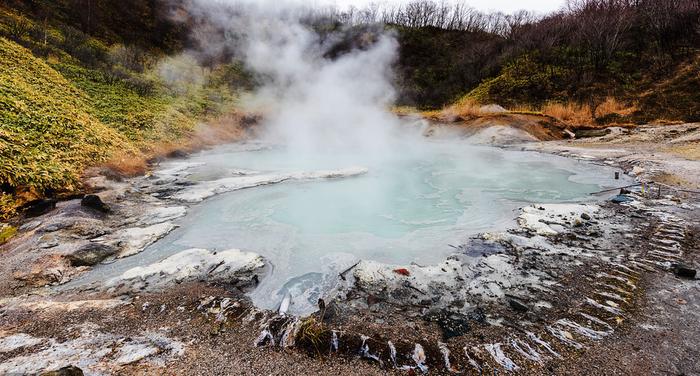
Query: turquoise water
[409, 207]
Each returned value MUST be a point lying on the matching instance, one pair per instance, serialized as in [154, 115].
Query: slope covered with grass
[69, 101]
[47, 132]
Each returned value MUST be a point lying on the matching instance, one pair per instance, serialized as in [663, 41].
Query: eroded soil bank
[570, 289]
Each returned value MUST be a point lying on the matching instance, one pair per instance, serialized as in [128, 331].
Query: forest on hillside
[586, 51]
[107, 64]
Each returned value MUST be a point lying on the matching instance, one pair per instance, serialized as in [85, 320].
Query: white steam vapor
[312, 102]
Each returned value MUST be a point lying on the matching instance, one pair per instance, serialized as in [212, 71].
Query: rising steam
[313, 102]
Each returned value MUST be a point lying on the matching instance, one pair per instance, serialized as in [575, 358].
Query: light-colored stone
[191, 265]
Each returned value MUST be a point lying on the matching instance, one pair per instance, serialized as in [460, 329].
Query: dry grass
[612, 106]
[465, 108]
[311, 334]
[524, 109]
[127, 167]
[574, 113]
[570, 113]
[229, 127]
[404, 110]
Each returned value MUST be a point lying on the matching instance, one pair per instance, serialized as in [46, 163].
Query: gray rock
[65, 371]
[91, 254]
[684, 271]
[47, 244]
[90, 228]
[619, 199]
[587, 133]
[492, 109]
[30, 226]
[585, 216]
[58, 223]
[39, 207]
[518, 306]
[95, 202]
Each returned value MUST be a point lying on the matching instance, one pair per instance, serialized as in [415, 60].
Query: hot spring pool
[408, 207]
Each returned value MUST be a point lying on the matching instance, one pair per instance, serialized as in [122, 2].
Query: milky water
[408, 208]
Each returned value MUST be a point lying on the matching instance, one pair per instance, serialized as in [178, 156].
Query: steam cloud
[312, 103]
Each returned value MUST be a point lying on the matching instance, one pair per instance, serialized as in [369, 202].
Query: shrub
[18, 28]
[133, 58]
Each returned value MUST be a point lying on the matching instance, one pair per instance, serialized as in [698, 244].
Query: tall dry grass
[569, 113]
[575, 113]
[468, 108]
[613, 106]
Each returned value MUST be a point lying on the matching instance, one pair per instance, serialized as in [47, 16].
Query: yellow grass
[612, 106]
[465, 108]
[570, 113]
[575, 113]
[524, 108]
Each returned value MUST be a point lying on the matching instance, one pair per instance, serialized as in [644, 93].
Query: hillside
[71, 101]
[47, 132]
[94, 79]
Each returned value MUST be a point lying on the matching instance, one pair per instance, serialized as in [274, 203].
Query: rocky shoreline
[532, 299]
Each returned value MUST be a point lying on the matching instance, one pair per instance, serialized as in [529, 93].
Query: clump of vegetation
[522, 81]
[312, 335]
[465, 108]
[6, 233]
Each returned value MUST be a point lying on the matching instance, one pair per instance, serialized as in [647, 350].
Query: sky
[506, 6]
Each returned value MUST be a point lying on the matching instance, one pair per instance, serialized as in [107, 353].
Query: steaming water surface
[407, 208]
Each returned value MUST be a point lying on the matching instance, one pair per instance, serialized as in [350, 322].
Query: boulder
[39, 207]
[589, 133]
[619, 199]
[231, 267]
[684, 271]
[517, 306]
[492, 109]
[91, 254]
[49, 269]
[95, 202]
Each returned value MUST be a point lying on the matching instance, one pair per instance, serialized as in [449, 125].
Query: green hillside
[47, 132]
[69, 101]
